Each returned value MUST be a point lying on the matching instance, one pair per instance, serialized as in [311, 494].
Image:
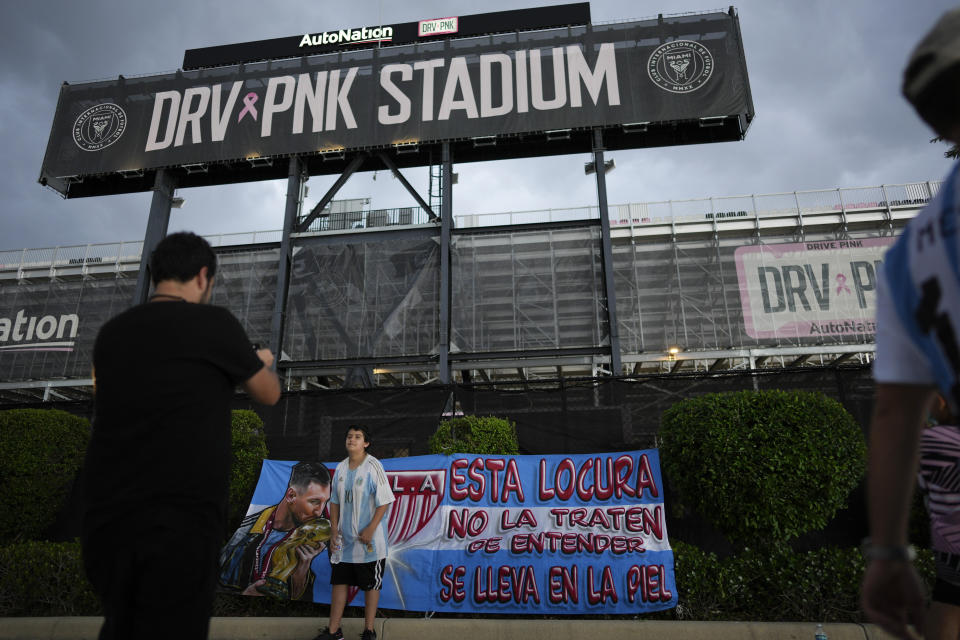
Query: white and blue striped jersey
[918, 299]
[359, 492]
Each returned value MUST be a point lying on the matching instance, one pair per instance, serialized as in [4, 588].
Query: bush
[763, 466]
[41, 451]
[775, 585]
[44, 579]
[475, 434]
[249, 447]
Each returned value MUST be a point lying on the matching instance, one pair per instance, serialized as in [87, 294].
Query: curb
[300, 628]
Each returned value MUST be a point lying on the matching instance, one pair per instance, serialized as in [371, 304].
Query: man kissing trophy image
[271, 552]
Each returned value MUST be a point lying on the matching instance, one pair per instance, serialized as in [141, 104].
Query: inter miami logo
[680, 66]
[99, 127]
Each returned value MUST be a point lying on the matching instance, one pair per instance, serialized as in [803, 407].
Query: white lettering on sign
[491, 85]
[33, 333]
[809, 289]
[438, 27]
[348, 36]
[179, 120]
[571, 73]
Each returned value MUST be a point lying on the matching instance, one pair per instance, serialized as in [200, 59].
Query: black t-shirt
[165, 374]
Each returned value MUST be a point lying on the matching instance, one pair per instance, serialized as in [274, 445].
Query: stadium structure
[527, 301]
[579, 324]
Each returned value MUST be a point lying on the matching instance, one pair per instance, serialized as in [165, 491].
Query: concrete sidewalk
[83, 628]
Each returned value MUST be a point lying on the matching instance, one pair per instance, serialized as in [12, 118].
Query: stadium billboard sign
[810, 289]
[555, 81]
[378, 35]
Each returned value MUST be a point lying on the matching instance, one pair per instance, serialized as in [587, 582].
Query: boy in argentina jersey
[358, 507]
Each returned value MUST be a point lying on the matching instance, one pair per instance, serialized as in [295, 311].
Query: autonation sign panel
[579, 77]
[810, 289]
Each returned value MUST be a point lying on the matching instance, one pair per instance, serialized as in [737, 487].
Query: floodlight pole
[164, 185]
[616, 368]
[446, 225]
[295, 175]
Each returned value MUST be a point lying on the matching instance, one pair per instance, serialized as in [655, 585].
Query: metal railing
[791, 203]
[250, 237]
[110, 253]
[367, 219]
[885, 197]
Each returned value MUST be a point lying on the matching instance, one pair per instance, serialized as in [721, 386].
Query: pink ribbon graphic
[842, 283]
[250, 99]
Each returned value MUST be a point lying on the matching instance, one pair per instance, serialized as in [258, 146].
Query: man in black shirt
[158, 464]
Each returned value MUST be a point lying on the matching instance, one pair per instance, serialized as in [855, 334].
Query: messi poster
[559, 534]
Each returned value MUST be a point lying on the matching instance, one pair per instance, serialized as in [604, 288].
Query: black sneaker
[326, 635]
[368, 635]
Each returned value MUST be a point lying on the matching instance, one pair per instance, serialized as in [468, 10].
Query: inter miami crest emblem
[680, 66]
[99, 127]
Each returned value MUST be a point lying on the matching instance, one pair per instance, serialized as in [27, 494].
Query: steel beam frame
[616, 366]
[446, 226]
[164, 185]
[295, 180]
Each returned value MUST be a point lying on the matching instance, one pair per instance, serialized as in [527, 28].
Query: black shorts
[368, 576]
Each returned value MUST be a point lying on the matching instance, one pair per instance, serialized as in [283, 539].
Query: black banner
[310, 44]
[508, 85]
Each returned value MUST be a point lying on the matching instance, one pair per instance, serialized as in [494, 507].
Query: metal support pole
[163, 187]
[446, 224]
[294, 189]
[616, 368]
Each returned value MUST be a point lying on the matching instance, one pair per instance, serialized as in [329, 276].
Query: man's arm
[892, 595]
[264, 385]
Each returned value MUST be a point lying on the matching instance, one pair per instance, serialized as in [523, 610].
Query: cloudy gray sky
[824, 75]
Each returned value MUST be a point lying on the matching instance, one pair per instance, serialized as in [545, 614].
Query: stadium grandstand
[750, 283]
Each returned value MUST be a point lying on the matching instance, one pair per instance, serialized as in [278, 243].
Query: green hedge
[475, 434]
[762, 466]
[249, 447]
[44, 579]
[775, 585]
[41, 451]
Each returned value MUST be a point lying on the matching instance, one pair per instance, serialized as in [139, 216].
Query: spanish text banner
[577, 534]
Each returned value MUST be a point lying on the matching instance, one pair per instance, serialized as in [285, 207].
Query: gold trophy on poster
[312, 532]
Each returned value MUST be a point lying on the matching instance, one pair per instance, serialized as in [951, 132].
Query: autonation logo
[38, 333]
[348, 36]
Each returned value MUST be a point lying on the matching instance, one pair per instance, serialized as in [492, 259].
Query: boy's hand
[366, 536]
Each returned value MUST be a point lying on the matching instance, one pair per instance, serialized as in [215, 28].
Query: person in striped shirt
[918, 344]
[939, 480]
[358, 505]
